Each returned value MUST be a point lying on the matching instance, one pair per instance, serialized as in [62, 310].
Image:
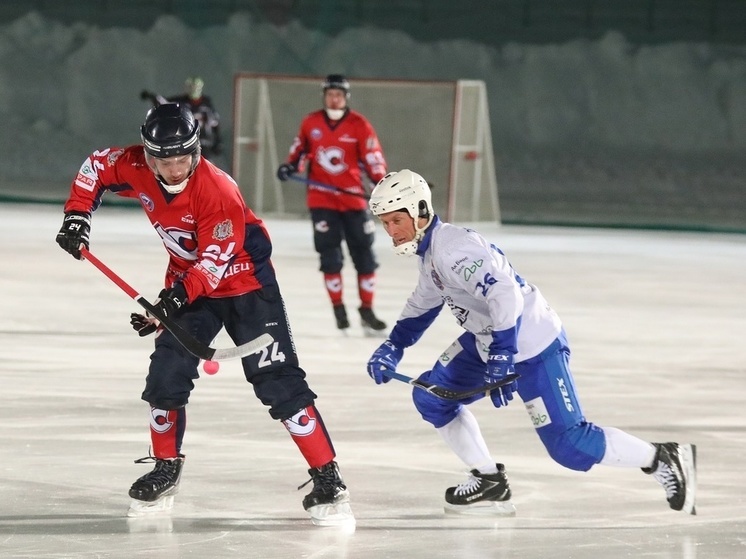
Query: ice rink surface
[656, 322]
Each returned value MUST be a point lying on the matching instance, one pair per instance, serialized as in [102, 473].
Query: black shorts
[274, 371]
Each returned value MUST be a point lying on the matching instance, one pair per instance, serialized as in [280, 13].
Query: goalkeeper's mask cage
[336, 81]
[408, 191]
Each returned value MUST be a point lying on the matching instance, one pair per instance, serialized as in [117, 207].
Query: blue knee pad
[578, 448]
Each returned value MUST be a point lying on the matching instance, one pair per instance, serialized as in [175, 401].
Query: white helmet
[404, 190]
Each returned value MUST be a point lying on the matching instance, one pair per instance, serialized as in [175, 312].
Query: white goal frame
[440, 129]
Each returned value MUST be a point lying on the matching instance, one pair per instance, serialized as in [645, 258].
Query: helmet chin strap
[173, 188]
[406, 249]
[335, 114]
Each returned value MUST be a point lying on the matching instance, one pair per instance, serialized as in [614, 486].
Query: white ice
[656, 321]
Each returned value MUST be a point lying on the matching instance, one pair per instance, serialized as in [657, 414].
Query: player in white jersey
[509, 327]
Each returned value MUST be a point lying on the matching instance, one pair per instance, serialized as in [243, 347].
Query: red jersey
[336, 150]
[216, 245]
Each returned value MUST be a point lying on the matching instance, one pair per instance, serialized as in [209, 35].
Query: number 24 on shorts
[271, 354]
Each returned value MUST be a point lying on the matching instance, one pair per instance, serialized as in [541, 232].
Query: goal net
[439, 129]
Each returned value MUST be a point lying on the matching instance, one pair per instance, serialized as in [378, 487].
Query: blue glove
[285, 170]
[385, 358]
[499, 366]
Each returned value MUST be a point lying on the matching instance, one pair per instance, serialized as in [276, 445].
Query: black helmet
[336, 81]
[170, 129]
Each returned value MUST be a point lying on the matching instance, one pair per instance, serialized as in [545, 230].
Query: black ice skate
[154, 492]
[675, 468]
[373, 326]
[482, 494]
[328, 503]
[340, 314]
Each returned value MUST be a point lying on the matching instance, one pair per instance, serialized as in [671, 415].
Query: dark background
[583, 182]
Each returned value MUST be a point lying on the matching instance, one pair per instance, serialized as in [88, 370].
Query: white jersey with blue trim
[475, 280]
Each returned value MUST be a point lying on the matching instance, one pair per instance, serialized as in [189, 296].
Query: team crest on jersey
[223, 230]
[332, 159]
[147, 203]
[316, 134]
[436, 279]
[113, 156]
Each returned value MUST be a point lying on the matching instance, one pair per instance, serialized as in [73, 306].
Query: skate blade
[148, 508]
[688, 455]
[484, 508]
[150, 523]
[338, 515]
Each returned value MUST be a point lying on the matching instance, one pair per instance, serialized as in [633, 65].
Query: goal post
[440, 129]
[473, 182]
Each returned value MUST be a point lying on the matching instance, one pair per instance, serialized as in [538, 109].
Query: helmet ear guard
[424, 210]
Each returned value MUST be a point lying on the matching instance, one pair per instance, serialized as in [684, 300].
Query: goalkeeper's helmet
[336, 81]
[170, 129]
[194, 86]
[407, 191]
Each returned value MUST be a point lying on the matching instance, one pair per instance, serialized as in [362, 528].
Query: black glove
[172, 301]
[142, 324]
[285, 170]
[75, 231]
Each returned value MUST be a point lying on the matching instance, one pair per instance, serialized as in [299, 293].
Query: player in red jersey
[337, 142]
[219, 275]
